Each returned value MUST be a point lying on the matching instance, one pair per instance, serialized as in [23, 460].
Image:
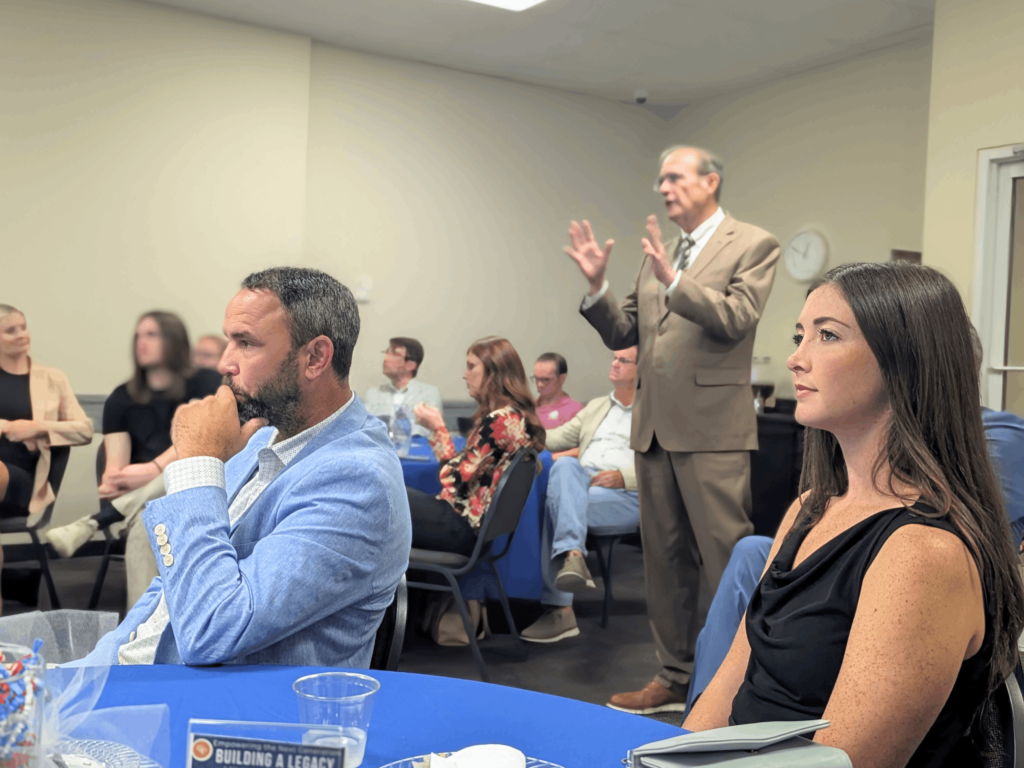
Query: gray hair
[317, 305]
[707, 162]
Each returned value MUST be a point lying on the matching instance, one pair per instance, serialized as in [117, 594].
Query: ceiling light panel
[509, 5]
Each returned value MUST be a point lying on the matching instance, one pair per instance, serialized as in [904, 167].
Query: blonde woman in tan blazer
[38, 411]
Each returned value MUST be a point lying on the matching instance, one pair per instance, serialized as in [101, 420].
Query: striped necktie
[682, 261]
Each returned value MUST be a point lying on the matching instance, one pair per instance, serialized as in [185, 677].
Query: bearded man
[285, 529]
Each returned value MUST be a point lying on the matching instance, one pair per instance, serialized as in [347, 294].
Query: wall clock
[806, 254]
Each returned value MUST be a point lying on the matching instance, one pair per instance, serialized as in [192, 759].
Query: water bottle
[401, 429]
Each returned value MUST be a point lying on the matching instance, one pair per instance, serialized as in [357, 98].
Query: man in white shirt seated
[402, 360]
[593, 480]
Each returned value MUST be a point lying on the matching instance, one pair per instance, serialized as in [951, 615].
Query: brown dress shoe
[654, 697]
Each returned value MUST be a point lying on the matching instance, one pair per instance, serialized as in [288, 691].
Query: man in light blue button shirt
[285, 529]
[402, 361]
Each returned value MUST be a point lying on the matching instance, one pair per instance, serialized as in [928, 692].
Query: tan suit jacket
[56, 408]
[695, 349]
[579, 431]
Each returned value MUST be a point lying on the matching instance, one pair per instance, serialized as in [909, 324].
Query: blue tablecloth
[412, 715]
[520, 569]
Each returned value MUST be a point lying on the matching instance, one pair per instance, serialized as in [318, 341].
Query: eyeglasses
[671, 178]
[391, 353]
[623, 361]
[542, 382]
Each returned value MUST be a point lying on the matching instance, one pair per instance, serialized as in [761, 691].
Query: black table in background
[775, 469]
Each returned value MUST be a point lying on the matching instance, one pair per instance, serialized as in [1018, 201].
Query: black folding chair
[609, 535]
[500, 519]
[1003, 724]
[113, 546]
[58, 464]
[387, 645]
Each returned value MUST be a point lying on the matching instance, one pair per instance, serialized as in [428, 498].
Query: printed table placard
[236, 744]
[223, 752]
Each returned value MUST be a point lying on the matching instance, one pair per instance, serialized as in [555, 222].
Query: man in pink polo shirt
[553, 406]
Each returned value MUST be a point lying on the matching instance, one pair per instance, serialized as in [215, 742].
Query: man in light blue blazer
[285, 529]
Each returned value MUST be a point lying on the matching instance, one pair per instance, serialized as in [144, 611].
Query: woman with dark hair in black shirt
[891, 603]
[137, 425]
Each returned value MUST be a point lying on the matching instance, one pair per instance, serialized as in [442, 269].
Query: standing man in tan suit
[693, 313]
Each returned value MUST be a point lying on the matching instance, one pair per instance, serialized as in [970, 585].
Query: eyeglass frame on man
[623, 361]
[390, 351]
[671, 178]
[675, 178]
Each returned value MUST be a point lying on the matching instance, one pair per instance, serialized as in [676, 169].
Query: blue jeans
[740, 579]
[573, 504]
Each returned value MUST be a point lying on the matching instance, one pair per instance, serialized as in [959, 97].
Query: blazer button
[168, 560]
[165, 549]
[161, 539]
[160, 528]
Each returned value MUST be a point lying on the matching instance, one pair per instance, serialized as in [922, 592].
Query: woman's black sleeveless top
[798, 623]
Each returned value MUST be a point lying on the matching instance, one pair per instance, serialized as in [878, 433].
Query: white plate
[531, 762]
[108, 753]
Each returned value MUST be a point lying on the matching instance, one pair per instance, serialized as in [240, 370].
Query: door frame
[993, 230]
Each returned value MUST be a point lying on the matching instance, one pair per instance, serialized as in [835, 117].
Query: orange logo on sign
[201, 749]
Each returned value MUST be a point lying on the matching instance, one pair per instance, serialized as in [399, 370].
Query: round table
[412, 715]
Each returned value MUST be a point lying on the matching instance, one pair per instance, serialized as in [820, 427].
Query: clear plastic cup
[342, 699]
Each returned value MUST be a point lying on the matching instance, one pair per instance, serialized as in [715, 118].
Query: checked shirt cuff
[196, 472]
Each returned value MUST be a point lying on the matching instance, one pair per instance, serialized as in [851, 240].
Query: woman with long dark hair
[38, 411]
[891, 603]
[137, 426]
[505, 422]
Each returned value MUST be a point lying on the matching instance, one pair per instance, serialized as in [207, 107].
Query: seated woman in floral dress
[505, 422]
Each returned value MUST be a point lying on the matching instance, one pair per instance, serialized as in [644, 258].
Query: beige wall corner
[453, 193]
[977, 102]
[840, 149]
[151, 158]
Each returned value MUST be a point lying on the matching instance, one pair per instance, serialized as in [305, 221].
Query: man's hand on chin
[209, 427]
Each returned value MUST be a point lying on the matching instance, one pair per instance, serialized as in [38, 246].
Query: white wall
[977, 102]
[151, 158]
[840, 149]
[453, 193]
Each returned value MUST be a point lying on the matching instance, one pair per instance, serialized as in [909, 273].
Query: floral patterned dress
[468, 479]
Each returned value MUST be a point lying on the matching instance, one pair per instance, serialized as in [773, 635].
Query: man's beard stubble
[278, 400]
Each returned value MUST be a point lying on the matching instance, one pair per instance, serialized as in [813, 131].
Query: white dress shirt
[382, 401]
[609, 447]
[199, 471]
[701, 235]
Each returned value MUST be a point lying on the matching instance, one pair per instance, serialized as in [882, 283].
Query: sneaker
[574, 576]
[654, 697]
[553, 626]
[68, 539]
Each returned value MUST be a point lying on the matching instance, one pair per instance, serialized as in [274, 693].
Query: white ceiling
[677, 50]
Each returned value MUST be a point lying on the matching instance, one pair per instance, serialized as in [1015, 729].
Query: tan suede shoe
[574, 576]
[553, 626]
[654, 697]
